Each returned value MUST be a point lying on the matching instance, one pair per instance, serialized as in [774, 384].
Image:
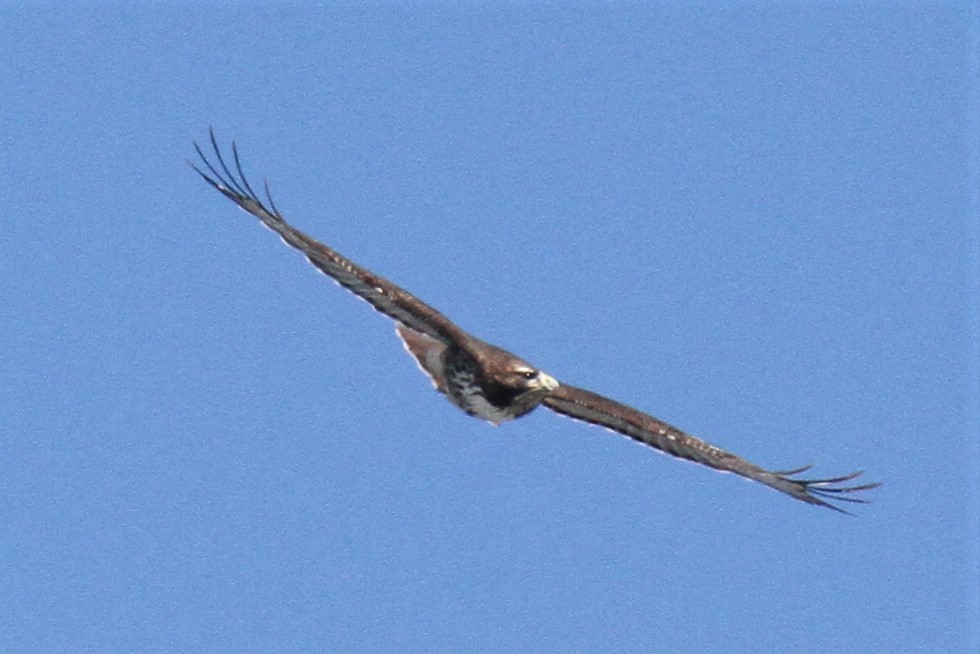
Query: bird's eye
[529, 374]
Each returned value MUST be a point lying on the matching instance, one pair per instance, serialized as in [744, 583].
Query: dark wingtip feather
[268, 196]
[790, 473]
[234, 185]
[824, 491]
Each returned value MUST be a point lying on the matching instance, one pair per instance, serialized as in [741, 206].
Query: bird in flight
[488, 382]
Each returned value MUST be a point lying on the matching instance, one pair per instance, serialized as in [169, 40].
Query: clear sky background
[759, 224]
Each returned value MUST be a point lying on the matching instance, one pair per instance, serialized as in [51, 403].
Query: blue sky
[758, 223]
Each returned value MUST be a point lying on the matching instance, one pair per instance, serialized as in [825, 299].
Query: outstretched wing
[593, 408]
[383, 295]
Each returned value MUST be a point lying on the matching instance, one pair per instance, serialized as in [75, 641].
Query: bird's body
[473, 380]
[490, 383]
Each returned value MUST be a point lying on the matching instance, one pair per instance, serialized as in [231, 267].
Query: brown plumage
[490, 383]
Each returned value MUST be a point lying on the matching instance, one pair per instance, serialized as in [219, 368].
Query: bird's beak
[546, 382]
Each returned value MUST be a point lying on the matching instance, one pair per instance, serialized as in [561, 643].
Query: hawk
[490, 383]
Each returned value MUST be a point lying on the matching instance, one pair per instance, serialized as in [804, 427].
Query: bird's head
[526, 378]
[508, 386]
[516, 389]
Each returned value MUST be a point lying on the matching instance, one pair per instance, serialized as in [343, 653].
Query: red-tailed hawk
[490, 383]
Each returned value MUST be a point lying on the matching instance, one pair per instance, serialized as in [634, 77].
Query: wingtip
[823, 492]
[227, 176]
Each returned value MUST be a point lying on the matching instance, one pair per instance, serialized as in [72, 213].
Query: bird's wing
[593, 408]
[383, 295]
